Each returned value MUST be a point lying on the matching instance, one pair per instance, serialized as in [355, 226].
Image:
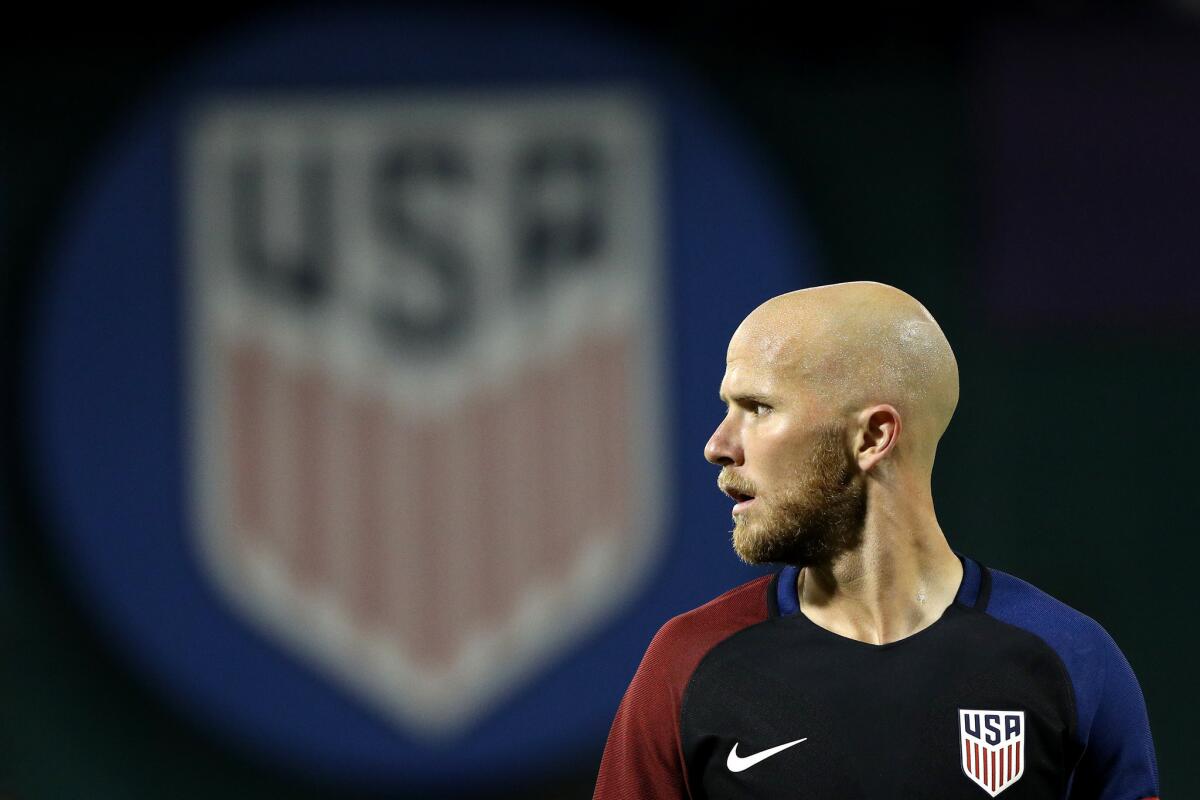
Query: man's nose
[723, 448]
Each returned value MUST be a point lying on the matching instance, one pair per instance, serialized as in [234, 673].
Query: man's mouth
[741, 498]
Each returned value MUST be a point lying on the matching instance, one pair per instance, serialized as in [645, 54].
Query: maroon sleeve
[644, 755]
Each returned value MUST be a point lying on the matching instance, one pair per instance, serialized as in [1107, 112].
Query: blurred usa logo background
[355, 393]
[424, 356]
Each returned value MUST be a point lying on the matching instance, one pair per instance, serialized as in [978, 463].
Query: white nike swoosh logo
[737, 763]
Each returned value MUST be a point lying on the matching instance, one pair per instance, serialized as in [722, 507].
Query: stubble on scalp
[819, 517]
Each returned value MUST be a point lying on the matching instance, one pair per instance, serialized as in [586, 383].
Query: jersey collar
[974, 591]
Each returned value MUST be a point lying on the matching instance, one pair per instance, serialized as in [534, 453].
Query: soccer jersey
[1009, 693]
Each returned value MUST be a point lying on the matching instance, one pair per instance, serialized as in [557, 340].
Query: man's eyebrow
[743, 397]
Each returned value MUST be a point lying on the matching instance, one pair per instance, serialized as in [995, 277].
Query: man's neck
[899, 581]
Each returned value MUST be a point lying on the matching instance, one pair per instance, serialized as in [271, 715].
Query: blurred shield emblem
[425, 379]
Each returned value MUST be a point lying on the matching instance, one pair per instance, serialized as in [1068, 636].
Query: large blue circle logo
[370, 382]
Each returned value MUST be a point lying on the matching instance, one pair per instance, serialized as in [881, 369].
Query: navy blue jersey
[1010, 692]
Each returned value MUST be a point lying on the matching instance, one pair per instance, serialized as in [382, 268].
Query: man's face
[800, 496]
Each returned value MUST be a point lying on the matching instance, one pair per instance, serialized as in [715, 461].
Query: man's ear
[878, 431]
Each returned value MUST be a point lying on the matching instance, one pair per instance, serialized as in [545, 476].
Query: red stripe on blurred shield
[403, 481]
[430, 535]
[488, 577]
[310, 417]
[614, 489]
[553, 387]
[507, 460]
[369, 558]
[247, 378]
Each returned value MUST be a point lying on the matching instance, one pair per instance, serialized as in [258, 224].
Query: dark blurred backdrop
[1032, 176]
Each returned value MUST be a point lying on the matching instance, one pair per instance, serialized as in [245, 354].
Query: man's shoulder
[740, 606]
[1092, 659]
[684, 640]
[1110, 710]
[1020, 603]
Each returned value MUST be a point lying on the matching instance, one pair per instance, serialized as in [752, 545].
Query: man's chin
[756, 548]
[750, 546]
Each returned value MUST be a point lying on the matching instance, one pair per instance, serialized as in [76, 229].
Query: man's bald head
[855, 345]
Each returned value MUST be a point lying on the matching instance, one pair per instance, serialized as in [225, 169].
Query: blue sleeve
[1118, 758]
[1112, 728]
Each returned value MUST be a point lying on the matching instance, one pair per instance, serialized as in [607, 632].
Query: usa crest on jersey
[993, 747]
[425, 380]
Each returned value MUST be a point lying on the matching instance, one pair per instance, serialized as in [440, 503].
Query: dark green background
[1069, 462]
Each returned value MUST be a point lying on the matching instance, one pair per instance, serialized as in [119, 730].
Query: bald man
[876, 662]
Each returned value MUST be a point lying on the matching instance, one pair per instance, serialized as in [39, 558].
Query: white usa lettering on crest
[425, 373]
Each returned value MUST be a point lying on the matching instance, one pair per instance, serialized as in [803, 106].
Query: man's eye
[761, 410]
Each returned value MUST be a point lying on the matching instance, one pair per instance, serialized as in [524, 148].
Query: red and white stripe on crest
[992, 767]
